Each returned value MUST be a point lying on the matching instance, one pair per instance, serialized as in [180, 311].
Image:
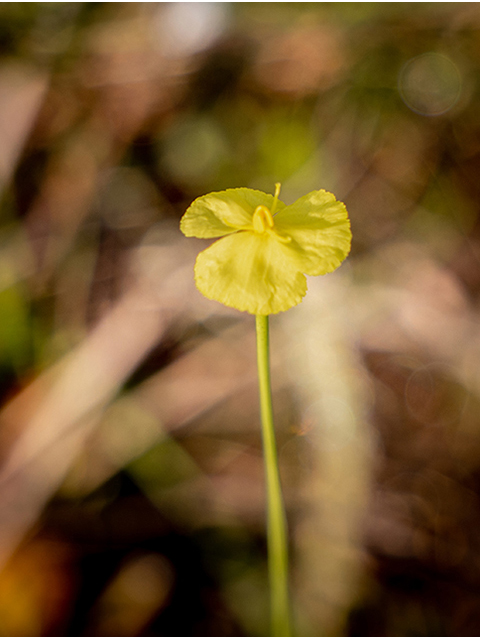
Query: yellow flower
[265, 249]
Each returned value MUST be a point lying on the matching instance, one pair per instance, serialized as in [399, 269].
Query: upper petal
[250, 272]
[319, 227]
[223, 212]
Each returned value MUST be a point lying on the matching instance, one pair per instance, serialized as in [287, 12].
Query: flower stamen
[262, 219]
[275, 197]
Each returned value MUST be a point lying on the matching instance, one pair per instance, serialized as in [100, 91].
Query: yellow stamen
[275, 197]
[262, 219]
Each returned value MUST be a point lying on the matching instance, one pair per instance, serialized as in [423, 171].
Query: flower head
[265, 247]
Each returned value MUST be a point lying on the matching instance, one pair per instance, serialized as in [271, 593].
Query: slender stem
[276, 520]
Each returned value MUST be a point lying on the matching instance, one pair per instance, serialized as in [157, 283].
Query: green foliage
[15, 328]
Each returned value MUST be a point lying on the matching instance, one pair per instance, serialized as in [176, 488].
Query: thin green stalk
[276, 520]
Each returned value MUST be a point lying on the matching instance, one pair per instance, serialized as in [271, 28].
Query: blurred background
[131, 480]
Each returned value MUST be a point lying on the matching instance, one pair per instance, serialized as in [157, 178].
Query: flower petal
[220, 213]
[250, 272]
[319, 227]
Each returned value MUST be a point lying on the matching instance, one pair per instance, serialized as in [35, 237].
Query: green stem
[276, 520]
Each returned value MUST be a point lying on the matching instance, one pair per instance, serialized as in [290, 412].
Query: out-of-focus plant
[259, 266]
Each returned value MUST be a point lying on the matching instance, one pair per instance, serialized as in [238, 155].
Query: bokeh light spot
[194, 149]
[430, 84]
[185, 28]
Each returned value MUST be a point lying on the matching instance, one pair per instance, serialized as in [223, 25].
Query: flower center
[262, 219]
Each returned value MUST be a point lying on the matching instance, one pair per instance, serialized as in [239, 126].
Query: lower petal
[250, 272]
